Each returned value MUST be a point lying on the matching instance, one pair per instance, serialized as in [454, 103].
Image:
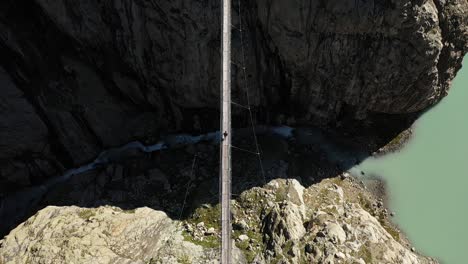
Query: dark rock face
[21, 131]
[80, 76]
[371, 55]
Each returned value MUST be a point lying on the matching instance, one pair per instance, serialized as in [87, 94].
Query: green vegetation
[325, 195]
[207, 242]
[253, 201]
[255, 241]
[288, 246]
[281, 194]
[398, 140]
[391, 230]
[365, 204]
[331, 210]
[86, 213]
[208, 215]
[365, 254]
[130, 211]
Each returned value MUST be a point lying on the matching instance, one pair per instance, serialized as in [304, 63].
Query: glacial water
[428, 179]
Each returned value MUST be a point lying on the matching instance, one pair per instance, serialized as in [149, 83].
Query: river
[428, 179]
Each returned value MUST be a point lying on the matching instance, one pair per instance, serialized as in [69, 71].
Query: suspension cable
[189, 185]
[247, 95]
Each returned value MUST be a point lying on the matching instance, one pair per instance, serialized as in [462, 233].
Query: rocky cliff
[335, 221]
[81, 76]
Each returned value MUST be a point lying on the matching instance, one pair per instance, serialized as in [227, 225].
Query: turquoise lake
[428, 179]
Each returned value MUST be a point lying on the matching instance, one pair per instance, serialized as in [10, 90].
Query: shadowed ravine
[17, 206]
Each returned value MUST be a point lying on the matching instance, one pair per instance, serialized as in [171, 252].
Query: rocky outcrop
[335, 221]
[98, 74]
[100, 235]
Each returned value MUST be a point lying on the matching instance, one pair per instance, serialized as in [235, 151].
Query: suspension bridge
[225, 177]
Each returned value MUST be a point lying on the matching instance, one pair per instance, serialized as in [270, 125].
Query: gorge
[344, 79]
